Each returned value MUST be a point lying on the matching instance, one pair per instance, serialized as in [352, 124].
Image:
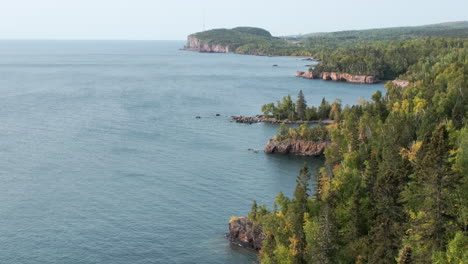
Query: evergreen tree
[301, 106]
[335, 110]
[389, 218]
[429, 197]
[324, 110]
[253, 211]
[298, 208]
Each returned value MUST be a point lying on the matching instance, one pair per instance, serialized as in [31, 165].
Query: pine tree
[428, 196]
[324, 109]
[253, 211]
[388, 219]
[301, 106]
[327, 242]
[298, 209]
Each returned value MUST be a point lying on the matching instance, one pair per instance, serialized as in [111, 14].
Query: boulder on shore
[296, 147]
[245, 233]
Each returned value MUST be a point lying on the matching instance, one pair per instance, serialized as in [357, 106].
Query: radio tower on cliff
[204, 19]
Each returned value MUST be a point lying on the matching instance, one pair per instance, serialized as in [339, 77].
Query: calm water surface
[103, 161]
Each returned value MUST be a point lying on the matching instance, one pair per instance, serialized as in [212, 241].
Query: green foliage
[315, 133]
[253, 31]
[385, 60]
[253, 211]
[394, 188]
[298, 111]
[301, 106]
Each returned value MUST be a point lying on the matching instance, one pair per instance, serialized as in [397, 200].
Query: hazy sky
[175, 19]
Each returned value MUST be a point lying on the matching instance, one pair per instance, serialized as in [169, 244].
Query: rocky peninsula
[262, 118]
[296, 147]
[338, 77]
[245, 233]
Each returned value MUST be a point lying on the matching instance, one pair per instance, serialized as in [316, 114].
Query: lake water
[103, 161]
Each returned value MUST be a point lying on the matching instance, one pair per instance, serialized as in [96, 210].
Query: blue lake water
[103, 161]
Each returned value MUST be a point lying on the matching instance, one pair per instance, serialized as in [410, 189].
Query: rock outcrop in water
[296, 147]
[245, 233]
[262, 118]
[195, 44]
[338, 77]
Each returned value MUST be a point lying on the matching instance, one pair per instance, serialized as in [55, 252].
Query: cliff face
[243, 232]
[297, 147]
[195, 44]
[338, 77]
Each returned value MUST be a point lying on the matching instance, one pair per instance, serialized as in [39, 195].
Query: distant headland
[356, 56]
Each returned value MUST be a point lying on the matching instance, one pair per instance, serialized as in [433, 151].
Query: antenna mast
[204, 28]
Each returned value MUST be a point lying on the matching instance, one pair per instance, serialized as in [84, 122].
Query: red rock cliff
[243, 232]
[338, 77]
[297, 147]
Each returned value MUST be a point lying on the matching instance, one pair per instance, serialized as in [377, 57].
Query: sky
[175, 19]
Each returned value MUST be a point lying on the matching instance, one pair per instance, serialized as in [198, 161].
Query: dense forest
[386, 60]
[394, 186]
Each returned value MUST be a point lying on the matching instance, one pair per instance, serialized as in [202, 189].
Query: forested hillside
[386, 60]
[394, 187]
[383, 53]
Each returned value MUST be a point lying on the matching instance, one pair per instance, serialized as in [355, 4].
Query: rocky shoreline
[262, 118]
[338, 77]
[245, 233]
[296, 147]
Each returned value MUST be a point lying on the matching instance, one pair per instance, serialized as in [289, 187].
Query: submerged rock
[296, 147]
[245, 233]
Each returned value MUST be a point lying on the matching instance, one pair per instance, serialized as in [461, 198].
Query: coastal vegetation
[382, 53]
[394, 186]
[287, 109]
[315, 133]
